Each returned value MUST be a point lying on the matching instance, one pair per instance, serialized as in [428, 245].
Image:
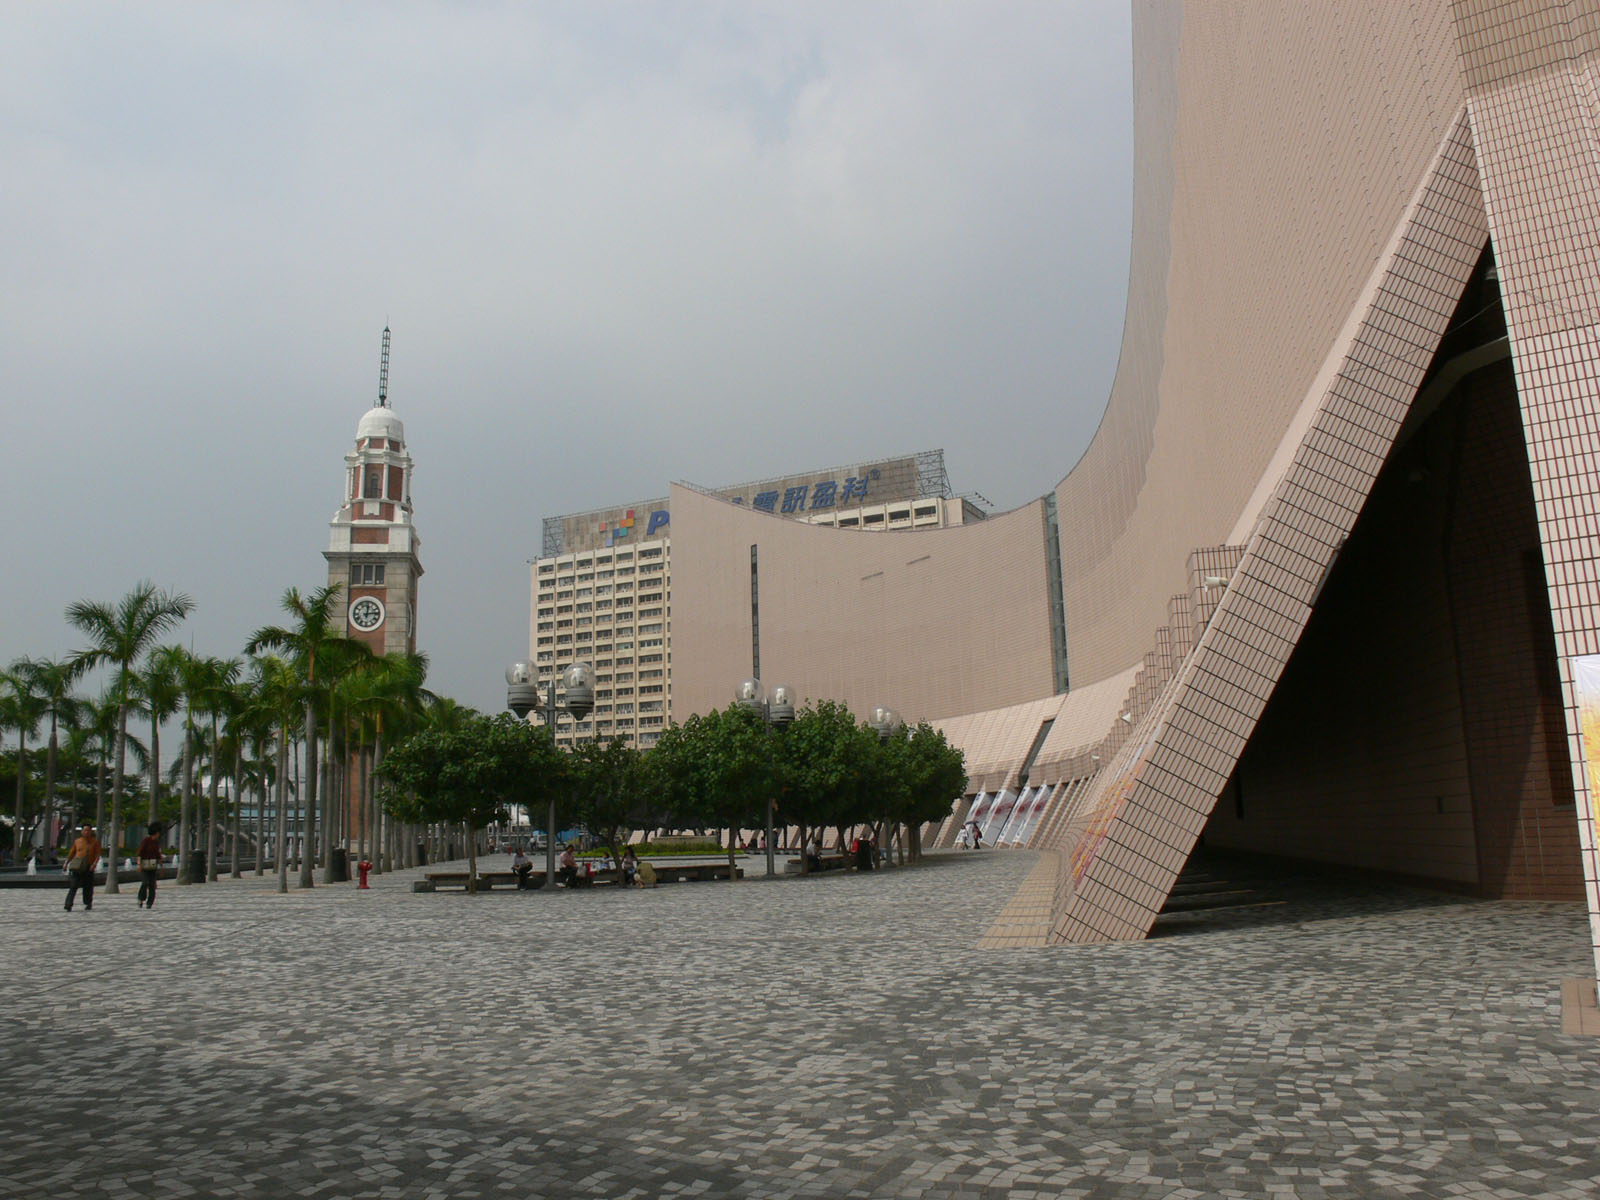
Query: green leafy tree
[830, 764]
[935, 773]
[120, 635]
[717, 769]
[612, 791]
[468, 774]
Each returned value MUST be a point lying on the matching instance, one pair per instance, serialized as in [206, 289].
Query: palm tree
[121, 635]
[311, 642]
[103, 722]
[248, 726]
[160, 687]
[257, 726]
[50, 681]
[282, 695]
[387, 702]
[193, 679]
[444, 715]
[81, 735]
[25, 705]
[219, 696]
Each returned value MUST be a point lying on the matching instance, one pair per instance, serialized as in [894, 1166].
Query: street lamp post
[522, 697]
[776, 710]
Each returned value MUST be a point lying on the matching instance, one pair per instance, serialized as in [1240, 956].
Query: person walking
[81, 862]
[149, 866]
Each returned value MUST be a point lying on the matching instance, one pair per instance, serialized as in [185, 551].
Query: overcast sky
[618, 244]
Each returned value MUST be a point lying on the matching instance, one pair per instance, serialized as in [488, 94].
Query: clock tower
[372, 545]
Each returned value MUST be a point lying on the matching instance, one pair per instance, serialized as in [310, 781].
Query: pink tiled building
[1326, 583]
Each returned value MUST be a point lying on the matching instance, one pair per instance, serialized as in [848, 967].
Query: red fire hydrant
[362, 868]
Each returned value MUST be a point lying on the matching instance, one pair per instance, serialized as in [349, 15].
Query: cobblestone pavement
[838, 1037]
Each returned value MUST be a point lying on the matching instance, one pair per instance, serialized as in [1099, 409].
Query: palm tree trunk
[155, 763]
[298, 817]
[116, 796]
[211, 809]
[283, 831]
[233, 824]
[22, 774]
[364, 805]
[50, 775]
[100, 793]
[309, 800]
[72, 801]
[328, 829]
[381, 822]
[186, 802]
[261, 813]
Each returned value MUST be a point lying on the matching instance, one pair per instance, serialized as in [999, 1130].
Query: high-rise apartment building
[602, 589]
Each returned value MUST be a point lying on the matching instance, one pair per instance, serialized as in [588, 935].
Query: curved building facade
[1326, 582]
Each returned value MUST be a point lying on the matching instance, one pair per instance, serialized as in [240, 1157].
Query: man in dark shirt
[149, 866]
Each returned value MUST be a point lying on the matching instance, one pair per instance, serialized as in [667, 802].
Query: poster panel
[1586, 682]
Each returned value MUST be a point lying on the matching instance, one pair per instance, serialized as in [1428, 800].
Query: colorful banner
[1586, 685]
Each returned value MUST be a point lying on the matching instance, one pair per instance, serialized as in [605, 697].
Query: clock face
[366, 613]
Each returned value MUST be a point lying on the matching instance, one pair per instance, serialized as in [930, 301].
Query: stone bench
[830, 862]
[487, 880]
[608, 876]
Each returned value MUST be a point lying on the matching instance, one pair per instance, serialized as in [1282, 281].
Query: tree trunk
[186, 802]
[116, 795]
[308, 815]
[360, 805]
[233, 830]
[261, 813]
[72, 802]
[282, 862]
[155, 765]
[22, 774]
[100, 794]
[50, 776]
[211, 809]
[329, 830]
[383, 860]
[296, 817]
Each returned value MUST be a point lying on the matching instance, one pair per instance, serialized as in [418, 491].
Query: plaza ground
[837, 1036]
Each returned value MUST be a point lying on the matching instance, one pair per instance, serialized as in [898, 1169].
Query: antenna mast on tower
[383, 372]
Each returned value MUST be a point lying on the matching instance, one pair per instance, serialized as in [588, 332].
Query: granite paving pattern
[842, 1036]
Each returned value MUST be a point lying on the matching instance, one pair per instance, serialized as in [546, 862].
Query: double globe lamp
[522, 697]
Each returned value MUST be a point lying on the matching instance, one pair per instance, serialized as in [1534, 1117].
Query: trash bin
[339, 866]
[197, 866]
[422, 854]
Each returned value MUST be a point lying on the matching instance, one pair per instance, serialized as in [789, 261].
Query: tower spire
[383, 372]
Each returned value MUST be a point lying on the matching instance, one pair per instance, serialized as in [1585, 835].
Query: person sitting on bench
[521, 867]
[567, 870]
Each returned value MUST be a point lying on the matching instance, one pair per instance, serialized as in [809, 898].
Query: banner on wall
[1586, 682]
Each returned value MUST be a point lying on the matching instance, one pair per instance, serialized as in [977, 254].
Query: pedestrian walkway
[841, 1036]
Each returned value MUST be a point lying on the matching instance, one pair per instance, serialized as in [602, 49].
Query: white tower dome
[380, 421]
